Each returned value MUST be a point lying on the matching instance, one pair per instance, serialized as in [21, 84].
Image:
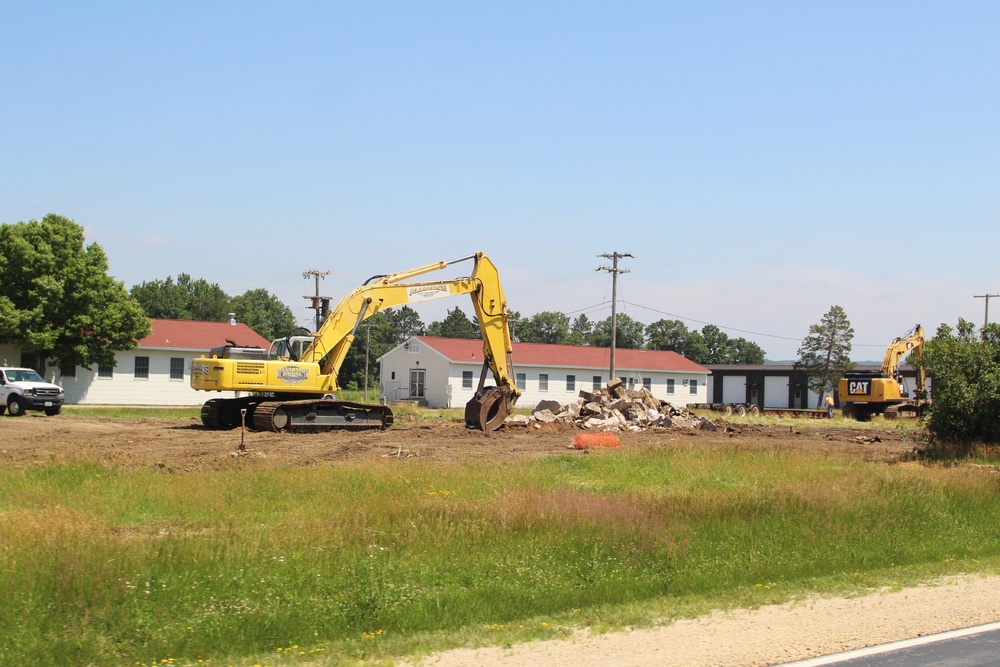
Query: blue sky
[762, 161]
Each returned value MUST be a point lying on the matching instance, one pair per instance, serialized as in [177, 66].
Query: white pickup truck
[23, 389]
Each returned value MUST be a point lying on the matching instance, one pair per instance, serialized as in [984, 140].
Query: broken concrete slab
[615, 408]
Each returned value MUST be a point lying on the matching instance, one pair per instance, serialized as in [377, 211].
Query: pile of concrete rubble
[614, 409]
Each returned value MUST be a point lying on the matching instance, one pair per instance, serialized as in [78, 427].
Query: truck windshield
[24, 375]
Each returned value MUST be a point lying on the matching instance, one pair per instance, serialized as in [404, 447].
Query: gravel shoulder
[766, 636]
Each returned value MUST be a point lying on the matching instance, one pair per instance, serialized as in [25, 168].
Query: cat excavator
[292, 386]
[864, 394]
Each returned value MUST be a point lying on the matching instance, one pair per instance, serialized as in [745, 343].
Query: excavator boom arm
[909, 343]
[337, 333]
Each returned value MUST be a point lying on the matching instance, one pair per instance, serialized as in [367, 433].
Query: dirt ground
[187, 446]
[742, 638]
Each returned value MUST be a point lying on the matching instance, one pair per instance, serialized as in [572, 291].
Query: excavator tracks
[320, 416]
[298, 416]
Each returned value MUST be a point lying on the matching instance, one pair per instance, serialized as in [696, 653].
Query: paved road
[978, 646]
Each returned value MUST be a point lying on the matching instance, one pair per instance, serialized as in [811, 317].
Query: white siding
[443, 380]
[123, 388]
[436, 378]
[11, 356]
[415, 355]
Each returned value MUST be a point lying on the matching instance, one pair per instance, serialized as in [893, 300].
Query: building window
[67, 371]
[521, 380]
[596, 384]
[142, 367]
[105, 371]
[413, 347]
[543, 382]
[670, 386]
[30, 360]
[570, 383]
[176, 368]
[693, 387]
[466, 379]
[647, 383]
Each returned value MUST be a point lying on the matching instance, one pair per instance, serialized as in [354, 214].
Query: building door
[734, 389]
[417, 383]
[776, 391]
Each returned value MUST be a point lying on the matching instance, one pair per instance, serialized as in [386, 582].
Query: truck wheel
[15, 406]
[52, 412]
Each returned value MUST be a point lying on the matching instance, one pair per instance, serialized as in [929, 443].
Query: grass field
[362, 562]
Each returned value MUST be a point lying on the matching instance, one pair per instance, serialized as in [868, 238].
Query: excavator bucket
[488, 410]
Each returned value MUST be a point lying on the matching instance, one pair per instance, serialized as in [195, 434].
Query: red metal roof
[570, 356]
[192, 335]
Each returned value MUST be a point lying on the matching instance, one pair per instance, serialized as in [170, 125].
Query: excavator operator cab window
[279, 350]
[296, 345]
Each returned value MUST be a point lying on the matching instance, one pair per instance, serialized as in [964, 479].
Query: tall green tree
[965, 365]
[403, 323]
[183, 299]
[718, 345]
[161, 299]
[747, 352]
[579, 332]
[825, 353]
[629, 333]
[674, 336]
[669, 335]
[263, 312]
[545, 327]
[57, 299]
[455, 325]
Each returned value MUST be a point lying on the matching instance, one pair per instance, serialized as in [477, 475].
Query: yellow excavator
[864, 394]
[292, 386]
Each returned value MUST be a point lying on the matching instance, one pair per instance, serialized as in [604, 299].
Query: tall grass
[108, 567]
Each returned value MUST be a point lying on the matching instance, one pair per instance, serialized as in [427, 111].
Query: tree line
[710, 345]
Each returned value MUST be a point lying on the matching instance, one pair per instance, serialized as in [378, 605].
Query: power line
[743, 331]
[691, 319]
[587, 309]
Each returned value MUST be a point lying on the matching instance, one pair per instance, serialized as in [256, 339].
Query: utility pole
[987, 297]
[614, 271]
[319, 303]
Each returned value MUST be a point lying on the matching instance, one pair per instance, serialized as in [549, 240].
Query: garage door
[776, 392]
[734, 389]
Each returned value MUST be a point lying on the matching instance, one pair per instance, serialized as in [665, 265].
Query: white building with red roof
[158, 371]
[444, 372]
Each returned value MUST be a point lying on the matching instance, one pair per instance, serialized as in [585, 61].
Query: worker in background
[829, 406]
